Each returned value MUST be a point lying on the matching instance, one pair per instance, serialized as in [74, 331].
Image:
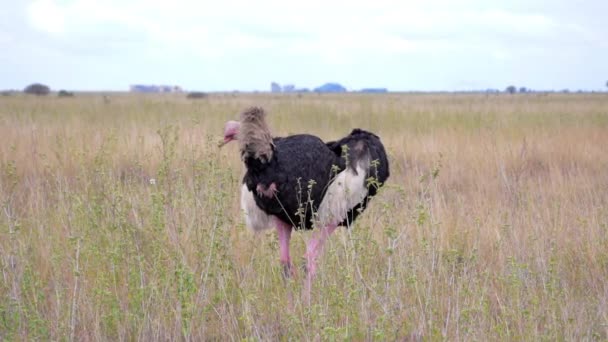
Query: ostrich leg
[314, 248]
[284, 232]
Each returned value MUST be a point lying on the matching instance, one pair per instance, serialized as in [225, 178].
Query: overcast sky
[244, 45]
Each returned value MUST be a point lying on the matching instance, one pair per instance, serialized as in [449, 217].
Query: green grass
[121, 221]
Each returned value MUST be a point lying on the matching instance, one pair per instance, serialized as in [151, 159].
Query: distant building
[374, 90]
[289, 88]
[146, 88]
[275, 87]
[330, 88]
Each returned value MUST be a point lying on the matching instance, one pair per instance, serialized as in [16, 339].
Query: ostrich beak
[231, 130]
[224, 142]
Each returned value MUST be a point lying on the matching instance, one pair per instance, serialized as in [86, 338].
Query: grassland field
[120, 221]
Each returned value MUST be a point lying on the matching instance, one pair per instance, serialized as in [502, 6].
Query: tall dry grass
[120, 221]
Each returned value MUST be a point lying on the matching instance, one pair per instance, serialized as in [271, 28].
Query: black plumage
[357, 145]
[297, 160]
[302, 168]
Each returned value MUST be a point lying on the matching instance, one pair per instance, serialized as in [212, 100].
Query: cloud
[215, 29]
[47, 16]
[296, 40]
[5, 38]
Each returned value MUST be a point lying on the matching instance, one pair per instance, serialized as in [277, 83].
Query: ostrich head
[231, 131]
[252, 132]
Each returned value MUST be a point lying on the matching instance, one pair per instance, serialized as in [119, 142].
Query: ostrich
[301, 182]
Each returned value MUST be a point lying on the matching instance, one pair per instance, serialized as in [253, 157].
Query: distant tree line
[38, 89]
[512, 90]
[196, 95]
[65, 93]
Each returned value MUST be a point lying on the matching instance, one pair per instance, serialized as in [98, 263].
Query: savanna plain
[120, 221]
